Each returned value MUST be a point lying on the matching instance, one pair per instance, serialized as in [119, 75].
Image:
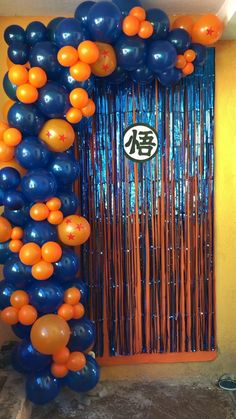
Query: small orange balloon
[188, 69]
[74, 230]
[51, 252]
[79, 98]
[72, 296]
[11, 163]
[146, 30]
[37, 77]
[15, 246]
[30, 254]
[3, 127]
[58, 370]
[27, 315]
[184, 22]
[5, 230]
[66, 311]
[18, 74]
[107, 63]
[76, 362]
[62, 356]
[78, 311]
[74, 116]
[6, 152]
[54, 204]
[190, 55]
[88, 52]
[39, 212]
[207, 30]
[9, 315]
[89, 109]
[55, 217]
[180, 62]
[80, 71]
[12, 137]
[67, 56]
[42, 270]
[17, 233]
[6, 107]
[26, 93]
[57, 134]
[139, 13]
[131, 25]
[19, 299]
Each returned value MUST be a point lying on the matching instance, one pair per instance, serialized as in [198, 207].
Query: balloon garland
[50, 84]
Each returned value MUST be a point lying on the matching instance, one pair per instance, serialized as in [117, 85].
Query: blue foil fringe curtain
[149, 262]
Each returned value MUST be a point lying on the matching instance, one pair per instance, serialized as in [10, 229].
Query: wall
[225, 227]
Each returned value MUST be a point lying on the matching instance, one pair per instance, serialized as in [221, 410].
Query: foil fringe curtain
[149, 262]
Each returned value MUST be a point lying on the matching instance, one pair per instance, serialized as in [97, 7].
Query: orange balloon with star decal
[207, 30]
[57, 134]
[106, 63]
[74, 230]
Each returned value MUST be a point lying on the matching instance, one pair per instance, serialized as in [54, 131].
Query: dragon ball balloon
[74, 230]
[106, 63]
[58, 135]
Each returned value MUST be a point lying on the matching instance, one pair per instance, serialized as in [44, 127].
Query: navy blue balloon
[6, 290]
[32, 153]
[69, 32]
[5, 253]
[17, 273]
[170, 77]
[14, 200]
[161, 56]
[70, 83]
[160, 22]
[82, 287]
[117, 77]
[42, 387]
[9, 87]
[14, 33]
[105, 22]
[18, 52]
[18, 217]
[25, 357]
[36, 32]
[67, 267]
[51, 28]
[64, 168]
[85, 379]
[201, 52]
[69, 202]
[39, 185]
[46, 296]
[1, 196]
[21, 331]
[27, 118]
[180, 39]
[126, 5]
[53, 100]
[82, 334]
[142, 75]
[9, 178]
[81, 12]
[131, 52]
[44, 55]
[40, 232]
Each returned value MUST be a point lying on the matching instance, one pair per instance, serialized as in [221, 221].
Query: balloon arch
[49, 84]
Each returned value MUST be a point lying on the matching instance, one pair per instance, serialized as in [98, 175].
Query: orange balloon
[17, 233]
[15, 245]
[54, 204]
[12, 137]
[3, 127]
[62, 356]
[74, 230]
[39, 212]
[79, 98]
[66, 311]
[139, 13]
[9, 315]
[190, 55]
[74, 116]
[76, 362]
[107, 62]
[80, 71]
[72, 296]
[89, 109]
[180, 62]
[184, 22]
[42, 270]
[49, 334]
[67, 56]
[146, 30]
[59, 371]
[6, 107]
[55, 217]
[37, 77]
[30, 254]
[26, 93]
[207, 30]
[57, 134]
[188, 69]
[27, 315]
[78, 311]
[19, 299]
[18, 74]
[10, 163]
[131, 25]
[51, 252]
[5, 230]
[6, 152]
[88, 52]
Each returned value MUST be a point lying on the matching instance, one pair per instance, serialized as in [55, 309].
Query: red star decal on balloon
[62, 137]
[71, 236]
[68, 221]
[79, 227]
[105, 53]
[210, 31]
[48, 134]
[105, 67]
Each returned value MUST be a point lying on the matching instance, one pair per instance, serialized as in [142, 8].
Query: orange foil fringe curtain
[149, 261]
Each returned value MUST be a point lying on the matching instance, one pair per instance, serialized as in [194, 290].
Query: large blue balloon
[17, 273]
[126, 5]
[67, 267]
[81, 12]
[105, 22]
[82, 287]
[44, 55]
[180, 39]
[131, 52]
[18, 52]
[9, 87]
[40, 232]
[6, 290]
[42, 387]
[201, 52]
[26, 358]
[51, 28]
[85, 379]
[161, 56]
[46, 296]
[64, 168]
[5, 252]
[39, 185]
[36, 32]
[160, 22]
[70, 83]
[53, 100]
[18, 217]
[27, 118]
[142, 75]
[14, 200]
[21, 331]
[69, 32]
[82, 335]
[9, 178]
[14, 33]
[170, 77]
[32, 153]
[69, 202]
[117, 77]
